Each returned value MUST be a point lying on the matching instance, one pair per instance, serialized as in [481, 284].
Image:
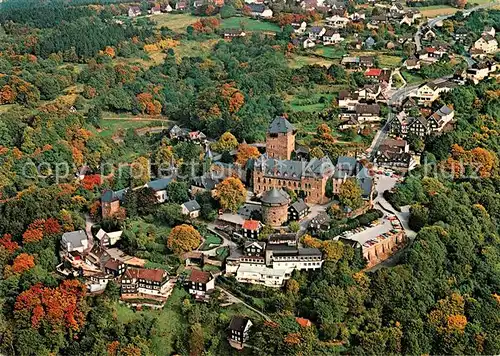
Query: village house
[107, 239]
[331, 37]
[202, 184]
[337, 22]
[439, 119]
[200, 284]
[489, 30]
[251, 229]
[159, 186]
[308, 43]
[299, 28]
[320, 223]
[427, 93]
[114, 267]
[260, 10]
[357, 16]
[402, 126]
[369, 43]
[431, 54]
[139, 283]
[74, 244]
[134, 11]
[412, 63]
[376, 21]
[394, 154]
[155, 10]
[487, 44]
[298, 210]
[191, 208]
[367, 112]
[480, 70]
[316, 32]
[230, 33]
[349, 167]
[181, 5]
[428, 35]
[239, 331]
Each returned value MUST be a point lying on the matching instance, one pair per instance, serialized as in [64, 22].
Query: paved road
[434, 21]
[235, 299]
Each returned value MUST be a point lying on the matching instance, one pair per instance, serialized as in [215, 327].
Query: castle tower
[280, 139]
[275, 207]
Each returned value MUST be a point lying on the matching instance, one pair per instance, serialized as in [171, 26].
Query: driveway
[226, 241]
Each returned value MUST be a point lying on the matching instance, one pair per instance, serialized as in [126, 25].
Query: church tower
[280, 139]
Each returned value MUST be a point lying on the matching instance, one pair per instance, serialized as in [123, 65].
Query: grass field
[250, 24]
[386, 61]
[175, 22]
[111, 127]
[437, 10]
[188, 48]
[299, 61]
[332, 52]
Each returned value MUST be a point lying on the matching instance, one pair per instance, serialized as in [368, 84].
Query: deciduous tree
[183, 238]
[231, 194]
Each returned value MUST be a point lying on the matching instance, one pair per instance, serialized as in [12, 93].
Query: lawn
[171, 323]
[189, 48]
[437, 10]
[333, 52]
[175, 22]
[299, 61]
[386, 61]
[111, 127]
[211, 241]
[249, 24]
[411, 78]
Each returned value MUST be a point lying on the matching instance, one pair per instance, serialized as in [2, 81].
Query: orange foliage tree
[246, 152]
[233, 96]
[57, 309]
[183, 238]
[22, 263]
[7, 243]
[231, 194]
[34, 233]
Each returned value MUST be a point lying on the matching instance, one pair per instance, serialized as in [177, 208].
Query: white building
[74, 242]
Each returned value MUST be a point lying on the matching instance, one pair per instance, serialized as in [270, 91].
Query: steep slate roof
[159, 184]
[74, 238]
[109, 196]
[275, 196]
[238, 323]
[192, 205]
[299, 206]
[280, 125]
[368, 109]
[204, 182]
[289, 169]
[258, 8]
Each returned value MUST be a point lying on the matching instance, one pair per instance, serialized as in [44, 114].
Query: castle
[276, 169]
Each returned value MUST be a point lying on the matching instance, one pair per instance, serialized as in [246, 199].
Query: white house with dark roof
[191, 208]
[74, 242]
[239, 331]
[487, 44]
[298, 210]
[159, 186]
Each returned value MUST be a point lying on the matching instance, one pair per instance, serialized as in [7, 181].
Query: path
[235, 299]
[226, 241]
[145, 119]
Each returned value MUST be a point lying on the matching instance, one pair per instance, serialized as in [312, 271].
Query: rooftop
[275, 196]
[198, 276]
[280, 125]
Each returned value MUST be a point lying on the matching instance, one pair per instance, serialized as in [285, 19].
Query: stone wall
[275, 215]
[280, 146]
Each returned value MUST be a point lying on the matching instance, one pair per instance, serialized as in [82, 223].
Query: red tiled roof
[303, 322]
[155, 275]
[198, 276]
[430, 49]
[373, 72]
[251, 225]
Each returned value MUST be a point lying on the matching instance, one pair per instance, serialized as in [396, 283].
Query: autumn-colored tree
[350, 194]
[7, 95]
[153, 108]
[183, 238]
[142, 101]
[226, 143]
[448, 316]
[317, 152]
[109, 51]
[332, 250]
[140, 172]
[246, 152]
[22, 263]
[233, 96]
[292, 286]
[34, 233]
[7, 243]
[310, 241]
[460, 3]
[164, 155]
[90, 181]
[231, 194]
[56, 309]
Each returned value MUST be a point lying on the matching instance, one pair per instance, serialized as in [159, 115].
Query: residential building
[412, 63]
[486, 43]
[260, 10]
[320, 223]
[107, 239]
[110, 202]
[134, 11]
[239, 331]
[74, 243]
[440, 118]
[298, 210]
[369, 43]
[480, 70]
[316, 32]
[349, 167]
[155, 10]
[299, 28]
[202, 184]
[251, 229]
[114, 267]
[159, 186]
[367, 112]
[331, 37]
[427, 93]
[230, 33]
[200, 284]
[489, 30]
[394, 154]
[432, 54]
[191, 208]
[337, 22]
[144, 281]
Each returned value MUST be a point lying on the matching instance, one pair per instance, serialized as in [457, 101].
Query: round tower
[275, 207]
